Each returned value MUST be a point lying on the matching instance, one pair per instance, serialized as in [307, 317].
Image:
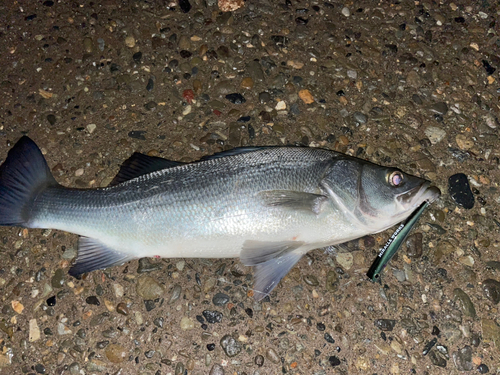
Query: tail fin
[23, 175]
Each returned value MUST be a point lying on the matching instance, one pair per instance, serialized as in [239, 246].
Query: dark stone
[51, 301]
[385, 324]
[137, 134]
[185, 54]
[329, 338]
[436, 331]
[249, 312]
[251, 131]
[149, 304]
[39, 368]
[151, 84]
[491, 289]
[436, 359]
[459, 190]
[244, 119]
[212, 316]
[220, 299]
[184, 5]
[489, 69]
[51, 119]
[30, 17]
[483, 369]
[137, 57]
[200, 319]
[92, 300]
[236, 98]
[48, 3]
[259, 360]
[210, 347]
[321, 327]
[114, 68]
[429, 346]
[459, 19]
[334, 360]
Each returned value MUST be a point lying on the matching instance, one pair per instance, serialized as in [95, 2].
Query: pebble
[306, 96]
[92, 300]
[413, 79]
[39, 368]
[145, 265]
[231, 346]
[130, 41]
[212, 316]
[385, 324]
[247, 83]
[414, 245]
[345, 260]
[272, 355]
[311, 280]
[176, 294]
[464, 302]
[116, 353]
[216, 370]
[483, 369]
[186, 323]
[281, 105]
[464, 142]
[236, 98]
[434, 134]
[148, 288]
[122, 308]
[34, 330]
[51, 119]
[463, 358]
[57, 280]
[491, 290]
[259, 360]
[359, 117]
[440, 108]
[437, 359]
[220, 299]
[346, 12]
[460, 191]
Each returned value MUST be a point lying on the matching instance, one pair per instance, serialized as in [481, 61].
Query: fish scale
[266, 205]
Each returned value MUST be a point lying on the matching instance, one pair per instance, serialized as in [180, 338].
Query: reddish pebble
[217, 112]
[188, 95]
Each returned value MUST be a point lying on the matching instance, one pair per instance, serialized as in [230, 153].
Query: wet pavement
[407, 84]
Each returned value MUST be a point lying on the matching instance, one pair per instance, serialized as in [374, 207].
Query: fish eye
[396, 179]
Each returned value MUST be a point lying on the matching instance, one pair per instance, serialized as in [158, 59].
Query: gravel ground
[403, 83]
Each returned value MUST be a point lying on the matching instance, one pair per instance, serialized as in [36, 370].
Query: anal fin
[272, 261]
[269, 274]
[94, 255]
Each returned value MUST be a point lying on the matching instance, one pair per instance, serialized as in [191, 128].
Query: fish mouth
[419, 194]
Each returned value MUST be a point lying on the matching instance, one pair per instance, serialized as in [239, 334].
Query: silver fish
[268, 206]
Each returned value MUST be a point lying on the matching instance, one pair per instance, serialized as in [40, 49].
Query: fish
[266, 205]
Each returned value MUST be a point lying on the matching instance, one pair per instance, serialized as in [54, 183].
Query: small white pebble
[79, 172]
[280, 105]
[346, 12]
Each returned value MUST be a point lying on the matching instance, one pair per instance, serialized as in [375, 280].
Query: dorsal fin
[139, 165]
[234, 151]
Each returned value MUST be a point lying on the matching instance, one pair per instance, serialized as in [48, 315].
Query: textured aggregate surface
[412, 84]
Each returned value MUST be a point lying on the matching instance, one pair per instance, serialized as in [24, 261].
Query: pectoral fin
[94, 255]
[294, 200]
[272, 261]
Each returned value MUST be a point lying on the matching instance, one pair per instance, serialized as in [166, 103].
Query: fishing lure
[394, 242]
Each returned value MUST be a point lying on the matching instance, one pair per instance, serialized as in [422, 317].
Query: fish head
[374, 196]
